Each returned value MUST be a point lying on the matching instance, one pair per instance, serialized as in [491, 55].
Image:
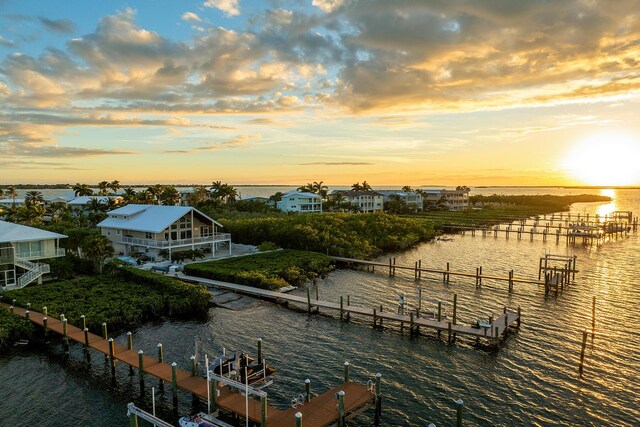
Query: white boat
[201, 420]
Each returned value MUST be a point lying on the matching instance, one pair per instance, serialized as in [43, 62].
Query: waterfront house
[61, 198]
[412, 199]
[453, 200]
[300, 201]
[147, 229]
[367, 201]
[83, 204]
[20, 246]
[9, 203]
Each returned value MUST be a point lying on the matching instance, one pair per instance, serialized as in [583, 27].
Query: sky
[416, 92]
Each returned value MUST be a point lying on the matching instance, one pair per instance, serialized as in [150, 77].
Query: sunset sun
[606, 159]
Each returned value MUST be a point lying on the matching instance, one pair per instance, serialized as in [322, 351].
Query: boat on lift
[201, 420]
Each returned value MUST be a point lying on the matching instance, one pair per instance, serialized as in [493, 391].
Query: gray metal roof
[10, 232]
[148, 218]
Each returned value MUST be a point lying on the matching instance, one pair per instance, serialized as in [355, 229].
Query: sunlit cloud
[190, 17]
[229, 7]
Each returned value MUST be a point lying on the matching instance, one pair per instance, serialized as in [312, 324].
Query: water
[532, 380]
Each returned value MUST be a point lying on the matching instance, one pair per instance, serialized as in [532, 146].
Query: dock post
[511, 281]
[394, 266]
[315, 284]
[307, 389]
[459, 413]
[298, 419]
[11, 309]
[439, 315]
[104, 331]
[390, 267]
[309, 300]
[415, 272]
[141, 366]
[411, 322]
[259, 348]
[593, 318]
[84, 321]
[341, 408]
[193, 366]
[448, 273]
[64, 327]
[375, 315]
[378, 399]
[45, 311]
[449, 332]
[341, 308]
[133, 418]
[86, 338]
[174, 382]
[213, 393]
[584, 345]
[263, 411]
[477, 278]
[346, 371]
[455, 308]
[480, 278]
[348, 304]
[26, 314]
[129, 341]
[497, 333]
[419, 269]
[419, 300]
[519, 316]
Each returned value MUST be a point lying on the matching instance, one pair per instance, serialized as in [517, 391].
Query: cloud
[63, 26]
[32, 150]
[190, 17]
[238, 142]
[6, 42]
[328, 5]
[229, 7]
[337, 164]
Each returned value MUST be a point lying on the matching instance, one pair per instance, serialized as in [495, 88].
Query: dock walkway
[319, 412]
[498, 326]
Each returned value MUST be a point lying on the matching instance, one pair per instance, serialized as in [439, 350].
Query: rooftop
[148, 218]
[10, 232]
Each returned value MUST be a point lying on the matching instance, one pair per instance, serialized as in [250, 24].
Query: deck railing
[152, 243]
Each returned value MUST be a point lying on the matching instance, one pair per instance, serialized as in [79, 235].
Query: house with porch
[367, 201]
[412, 199]
[148, 229]
[20, 249]
[453, 200]
[300, 201]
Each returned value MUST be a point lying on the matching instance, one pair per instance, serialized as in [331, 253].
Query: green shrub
[271, 270]
[267, 246]
[12, 329]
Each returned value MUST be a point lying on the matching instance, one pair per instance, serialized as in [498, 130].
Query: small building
[147, 229]
[9, 203]
[300, 201]
[62, 198]
[453, 200]
[20, 246]
[367, 201]
[412, 199]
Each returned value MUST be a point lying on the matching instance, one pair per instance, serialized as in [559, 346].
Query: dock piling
[346, 371]
[307, 389]
[309, 300]
[378, 399]
[84, 321]
[455, 308]
[194, 368]
[341, 308]
[259, 348]
[174, 383]
[341, 408]
[129, 341]
[141, 366]
[298, 419]
[459, 404]
[584, 345]
[45, 311]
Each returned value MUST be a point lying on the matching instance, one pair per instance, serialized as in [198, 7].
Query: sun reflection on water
[609, 208]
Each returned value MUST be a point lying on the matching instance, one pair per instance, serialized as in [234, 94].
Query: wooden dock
[318, 412]
[412, 320]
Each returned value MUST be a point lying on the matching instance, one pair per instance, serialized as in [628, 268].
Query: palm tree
[407, 189]
[321, 189]
[114, 186]
[307, 188]
[199, 195]
[170, 195]
[129, 195]
[34, 197]
[156, 192]
[30, 214]
[1, 193]
[231, 194]
[82, 190]
[366, 186]
[103, 187]
[97, 249]
[357, 187]
[217, 189]
[13, 193]
[95, 205]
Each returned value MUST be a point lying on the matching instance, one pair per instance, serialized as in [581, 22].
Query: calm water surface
[531, 380]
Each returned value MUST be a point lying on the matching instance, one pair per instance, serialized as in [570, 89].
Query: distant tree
[199, 195]
[103, 188]
[114, 186]
[29, 214]
[156, 192]
[170, 196]
[33, 197]
[1, 193]
[307, 188]
[361, 187]
[95, 205]
[396, 205]
[13, 193]
[407, 189]
[276, 198]
[129, 195]
[163, 253]
[82, 190]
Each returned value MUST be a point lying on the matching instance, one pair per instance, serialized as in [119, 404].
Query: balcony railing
[7, 254]
[152, 243]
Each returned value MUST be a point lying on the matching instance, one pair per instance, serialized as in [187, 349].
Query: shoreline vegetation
[267, 270]
[125, 298]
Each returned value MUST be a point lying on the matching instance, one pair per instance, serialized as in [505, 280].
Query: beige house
[148, 229]
[20, 248]
[367, 201]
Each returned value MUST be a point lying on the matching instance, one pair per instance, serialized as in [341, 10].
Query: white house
[9, 203]
[453, 200]
[83, 203]
[19, 247]
[411, 198]
[300, 201]
[367, 201]
[62, 198]
[149, 229]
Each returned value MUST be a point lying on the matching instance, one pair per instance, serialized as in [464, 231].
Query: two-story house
[367, 201]
[148, 229]
[300, 201]
[20, 247]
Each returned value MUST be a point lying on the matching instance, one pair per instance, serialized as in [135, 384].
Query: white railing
[40, 254]
[171, 243]
[33, 271]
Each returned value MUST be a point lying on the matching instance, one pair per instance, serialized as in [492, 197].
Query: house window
[185, 234]
[148, 236]
[205, 231]
[117, 231]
